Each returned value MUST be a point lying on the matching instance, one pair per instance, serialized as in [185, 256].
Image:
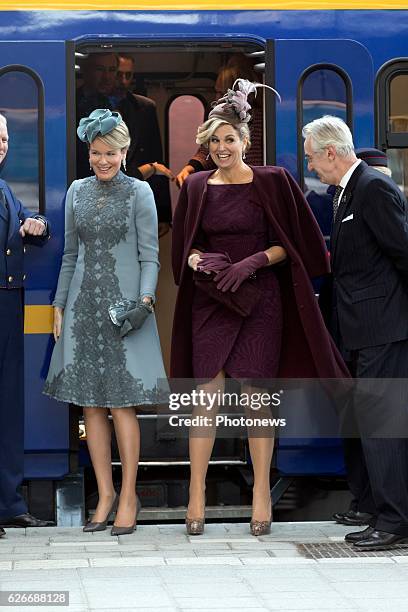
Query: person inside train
[18, 227]
[107, 79]
[107, 357]
[245, 245]
[369, 259]
[238, 65]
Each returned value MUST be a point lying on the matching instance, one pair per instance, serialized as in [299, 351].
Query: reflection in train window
[324, 92]
[398, 118]
[398, 123]
[392, 118]
[185, 114]
[20, 103]
[398, 164]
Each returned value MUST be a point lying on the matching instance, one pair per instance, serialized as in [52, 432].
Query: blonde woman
[110, 259]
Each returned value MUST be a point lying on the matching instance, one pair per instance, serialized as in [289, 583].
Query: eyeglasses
[309, 158]
[127, 75]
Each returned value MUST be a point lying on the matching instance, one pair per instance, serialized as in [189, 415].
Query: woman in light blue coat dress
[110, 255]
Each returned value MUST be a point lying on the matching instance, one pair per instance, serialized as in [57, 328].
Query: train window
[392, 118]
[21, 101]
[184, 114]
[398, 118]
[323, 90]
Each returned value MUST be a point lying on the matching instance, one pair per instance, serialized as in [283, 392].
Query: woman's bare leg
[261, 443]
[128, 439]
[201, 442]
[98, 437]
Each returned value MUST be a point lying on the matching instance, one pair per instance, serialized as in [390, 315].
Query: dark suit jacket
[307, 348]
[140, 116]
[369, 255]
[12, 245]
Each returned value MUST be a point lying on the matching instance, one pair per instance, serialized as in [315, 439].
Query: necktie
[336, 200]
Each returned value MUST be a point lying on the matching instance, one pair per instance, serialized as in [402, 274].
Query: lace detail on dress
[98, 371]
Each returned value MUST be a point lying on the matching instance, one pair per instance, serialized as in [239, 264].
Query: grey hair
[3, 118]
[207, 129]
[118, 138]
[330, 130]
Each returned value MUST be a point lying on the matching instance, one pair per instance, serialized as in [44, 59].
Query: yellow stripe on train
[166, 5]
[38, 319]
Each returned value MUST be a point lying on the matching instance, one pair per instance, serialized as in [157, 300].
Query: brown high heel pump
[195, 526]
[261, 528]
[119, 531]
[92, 526]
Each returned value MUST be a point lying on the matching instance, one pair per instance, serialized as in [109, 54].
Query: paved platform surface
[300, 566]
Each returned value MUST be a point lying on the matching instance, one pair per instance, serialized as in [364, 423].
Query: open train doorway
[164, 90]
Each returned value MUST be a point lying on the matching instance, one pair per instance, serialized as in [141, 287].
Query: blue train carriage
[345, 62]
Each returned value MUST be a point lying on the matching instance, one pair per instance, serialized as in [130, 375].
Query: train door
[32, 97]
[315, 78]
[180, 77]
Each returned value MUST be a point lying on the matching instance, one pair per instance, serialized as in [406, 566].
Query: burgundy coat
[307, 348]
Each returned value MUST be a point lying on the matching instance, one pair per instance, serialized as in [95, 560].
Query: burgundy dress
[244, 347]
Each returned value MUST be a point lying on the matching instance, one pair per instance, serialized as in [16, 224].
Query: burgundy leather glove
[213, 262]
[233, 276]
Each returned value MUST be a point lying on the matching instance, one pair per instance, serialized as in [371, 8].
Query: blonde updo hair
[118, 138]
[209, 127]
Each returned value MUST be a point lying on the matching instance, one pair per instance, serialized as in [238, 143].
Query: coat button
[8, 252]
[10, 279]
[25, 249]
[301, 306]
[295, 284]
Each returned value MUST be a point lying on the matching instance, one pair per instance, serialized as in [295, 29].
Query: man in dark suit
[17, 228]
[369, 258]
[106, 81]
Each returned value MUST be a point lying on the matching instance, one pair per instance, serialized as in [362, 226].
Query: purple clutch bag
[242, 301]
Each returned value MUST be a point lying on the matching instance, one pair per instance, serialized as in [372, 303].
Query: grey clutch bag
[129, 315]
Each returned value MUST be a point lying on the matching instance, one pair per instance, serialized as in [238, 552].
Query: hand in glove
[233, 276]
[134, 319]
[213, 262]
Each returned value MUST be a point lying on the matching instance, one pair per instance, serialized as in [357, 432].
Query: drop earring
[124, 163]
[90, 167]
[208, 156]
[243, 155]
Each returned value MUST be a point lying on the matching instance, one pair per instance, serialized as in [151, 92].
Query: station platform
[300, 566]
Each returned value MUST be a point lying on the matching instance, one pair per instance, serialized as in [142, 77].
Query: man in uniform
[106, 82]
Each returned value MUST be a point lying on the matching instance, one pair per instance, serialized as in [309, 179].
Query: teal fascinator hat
[100, 122]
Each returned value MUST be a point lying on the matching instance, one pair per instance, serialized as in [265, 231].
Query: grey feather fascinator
[234, 107]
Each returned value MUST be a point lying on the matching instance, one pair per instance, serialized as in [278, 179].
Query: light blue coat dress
[111, 253]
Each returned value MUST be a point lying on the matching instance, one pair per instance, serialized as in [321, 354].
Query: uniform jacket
[12, 245]
[369, 253]
[307, 349]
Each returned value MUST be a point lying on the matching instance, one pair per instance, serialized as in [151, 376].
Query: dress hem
[135, 404]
